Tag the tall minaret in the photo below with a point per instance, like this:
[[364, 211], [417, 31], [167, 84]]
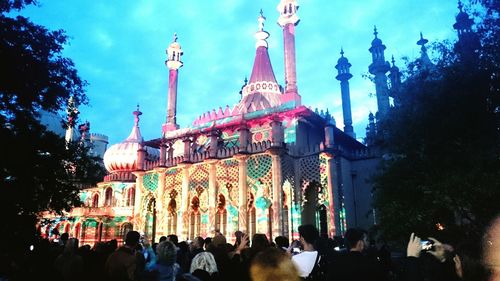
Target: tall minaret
[[288, 19], [72, 111], [379, 68], [395, 77], [468, 41], [344, 75], [174, 53]]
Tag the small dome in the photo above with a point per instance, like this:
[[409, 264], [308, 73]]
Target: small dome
[[123, 156], [376, 42], [343, 60]]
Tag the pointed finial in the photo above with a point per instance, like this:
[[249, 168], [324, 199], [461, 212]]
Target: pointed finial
[[175, 36], [137, 113], [342, 51], [261, 20], [375, 32], [393, 61], [422, 40], [246, 80], [460, 6]]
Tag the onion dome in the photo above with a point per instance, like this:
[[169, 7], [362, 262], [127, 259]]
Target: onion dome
[[343, 67], [376, 41], [122, 157]]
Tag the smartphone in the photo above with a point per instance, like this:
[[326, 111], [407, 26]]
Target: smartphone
[[296, 250], [426, 245]]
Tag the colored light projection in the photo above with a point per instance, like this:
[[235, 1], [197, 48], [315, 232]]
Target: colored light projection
[[198, 200], [171, 200], [260, 185], [227, 185]]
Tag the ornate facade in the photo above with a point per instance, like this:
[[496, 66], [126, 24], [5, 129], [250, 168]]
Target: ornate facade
[[266, 165]]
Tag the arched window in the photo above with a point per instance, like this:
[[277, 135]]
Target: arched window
[[77, 232], [221, 215], [195, 218], [130, 197], [95, 201], [108, 197], [66, 228]]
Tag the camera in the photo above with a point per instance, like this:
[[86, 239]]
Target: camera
[[426, 245]]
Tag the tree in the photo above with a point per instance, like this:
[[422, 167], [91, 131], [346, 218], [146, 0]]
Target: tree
[[38, 170], [441, 169]]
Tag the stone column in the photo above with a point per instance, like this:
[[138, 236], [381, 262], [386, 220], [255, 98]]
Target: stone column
[[244, 138], [182, 229], [331, 207], [163, 154], [243, 192], [138, 220], [277, 197], [161, 215], [212, 194]]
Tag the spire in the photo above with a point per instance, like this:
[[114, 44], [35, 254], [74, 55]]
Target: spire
[[261, 35], [261, 91], [343, 76], [424, 57], [135, 134], [174, 53], [379, 68], [468, 41], [288, 19], [395, 78], [72, 112]]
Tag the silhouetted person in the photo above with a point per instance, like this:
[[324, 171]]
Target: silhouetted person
[[121, 264], [354, 265]]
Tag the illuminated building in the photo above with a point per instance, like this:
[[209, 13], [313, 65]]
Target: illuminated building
[[266, 165]]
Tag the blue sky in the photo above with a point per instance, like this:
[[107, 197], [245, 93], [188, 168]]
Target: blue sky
[[119, 48]]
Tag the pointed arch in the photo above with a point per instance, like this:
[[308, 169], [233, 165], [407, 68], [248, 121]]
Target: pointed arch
[[108, 197], [95, 200]]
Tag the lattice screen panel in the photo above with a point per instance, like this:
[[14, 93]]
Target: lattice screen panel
[[309, 170], [227, 175]]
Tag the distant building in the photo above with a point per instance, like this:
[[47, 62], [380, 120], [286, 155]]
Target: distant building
[[266, 165]]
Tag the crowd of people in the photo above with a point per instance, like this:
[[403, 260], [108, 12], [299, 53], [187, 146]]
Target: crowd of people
[[210, 259]]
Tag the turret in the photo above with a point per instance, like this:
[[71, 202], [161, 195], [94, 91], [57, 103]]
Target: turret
[[468, 41], [395, 78], [288, 19], [343, 76], [425, 62], [262, 91], [72, 112], [379, 68], [173, 62]]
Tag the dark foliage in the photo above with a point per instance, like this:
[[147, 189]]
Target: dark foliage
[[441, 170], [38, 170]]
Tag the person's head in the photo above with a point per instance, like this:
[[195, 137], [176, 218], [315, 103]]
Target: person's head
[[491, 248], [167, 253], [163, 238], [259, 241], [208, 241], [132, 238], [64, 238], [71, 246], [204, 261], [218, 240], [356, 239], [281, 242], [308, 234], [197, 243], [272, 264], [173, 238]]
